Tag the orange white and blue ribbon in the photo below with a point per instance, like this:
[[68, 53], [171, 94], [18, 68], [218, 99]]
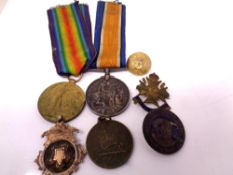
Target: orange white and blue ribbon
[[70, 33], [110, 35]]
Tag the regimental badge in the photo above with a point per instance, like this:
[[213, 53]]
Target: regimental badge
[[162, 129], [153, 89], [61, 154]]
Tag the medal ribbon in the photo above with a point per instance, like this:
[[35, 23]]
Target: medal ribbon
[[70, 33], [110, 35]]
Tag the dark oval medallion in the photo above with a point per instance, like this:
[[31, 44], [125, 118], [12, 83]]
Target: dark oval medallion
[[59, 156], [163, 131], [109, 144], [107, 97]]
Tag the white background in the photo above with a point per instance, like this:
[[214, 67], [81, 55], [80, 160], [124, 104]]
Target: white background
[[191, 47]]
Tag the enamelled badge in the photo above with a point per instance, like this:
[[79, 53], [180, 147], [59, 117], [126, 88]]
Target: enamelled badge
[[109, 143], [70, 33], [162, 129]]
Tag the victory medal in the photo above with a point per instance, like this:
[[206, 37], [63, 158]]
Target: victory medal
[[61, 102]]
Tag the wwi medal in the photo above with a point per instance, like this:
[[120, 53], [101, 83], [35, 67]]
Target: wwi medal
[[109, 143], [64, 99], [62, 102], [107, 96], [162, 129]]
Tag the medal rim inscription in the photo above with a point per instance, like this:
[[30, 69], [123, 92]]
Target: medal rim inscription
[[55, 119], [134, 58], [92, 133], [103, 78], [162, 114]]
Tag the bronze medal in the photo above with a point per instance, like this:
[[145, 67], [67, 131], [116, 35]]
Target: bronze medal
[[109, 144], [64, 99], [162, 129], [107, 96], [61, 154]]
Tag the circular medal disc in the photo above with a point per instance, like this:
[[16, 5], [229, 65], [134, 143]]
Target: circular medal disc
[[64, 99], [59, 156], [139, 63], [109, 144], [163, 131], [107, 97]]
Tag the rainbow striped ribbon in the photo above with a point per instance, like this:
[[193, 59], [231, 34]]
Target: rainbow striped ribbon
[[110, 35], [70, 33]]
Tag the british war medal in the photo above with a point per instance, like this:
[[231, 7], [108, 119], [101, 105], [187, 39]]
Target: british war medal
[[109, 143]]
